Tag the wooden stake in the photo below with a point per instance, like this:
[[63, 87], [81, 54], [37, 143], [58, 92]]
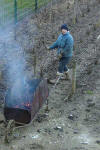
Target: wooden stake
[[74, 78]]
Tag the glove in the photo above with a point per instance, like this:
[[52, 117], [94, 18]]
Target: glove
[[60, 56]]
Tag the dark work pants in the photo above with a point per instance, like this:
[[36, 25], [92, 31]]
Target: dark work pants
[[63, 62]]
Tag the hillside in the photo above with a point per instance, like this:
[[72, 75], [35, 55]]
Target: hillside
[[71, 124]]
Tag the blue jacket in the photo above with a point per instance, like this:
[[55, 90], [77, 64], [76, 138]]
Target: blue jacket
[[64, 44]]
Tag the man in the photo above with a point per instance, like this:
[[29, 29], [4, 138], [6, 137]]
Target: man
[[64, 45]]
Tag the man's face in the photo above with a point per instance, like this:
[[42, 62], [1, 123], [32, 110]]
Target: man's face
[[64, 31]]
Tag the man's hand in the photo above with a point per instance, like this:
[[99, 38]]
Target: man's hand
[[60, 56]]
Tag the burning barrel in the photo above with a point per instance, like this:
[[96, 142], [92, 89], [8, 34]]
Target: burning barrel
[[24, 100]]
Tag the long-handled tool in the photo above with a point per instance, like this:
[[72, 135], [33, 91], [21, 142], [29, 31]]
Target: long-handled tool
[[57, 81]]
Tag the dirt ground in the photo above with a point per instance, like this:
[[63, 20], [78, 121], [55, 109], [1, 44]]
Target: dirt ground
[[71, 124]]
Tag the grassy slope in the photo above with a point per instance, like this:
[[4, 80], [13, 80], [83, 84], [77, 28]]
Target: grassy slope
[[23, 6], [24, 3]]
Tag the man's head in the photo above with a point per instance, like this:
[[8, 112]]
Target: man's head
[[64, 29]]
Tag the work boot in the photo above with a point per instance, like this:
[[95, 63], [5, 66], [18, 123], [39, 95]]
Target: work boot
[[59, 74], [62, 75]]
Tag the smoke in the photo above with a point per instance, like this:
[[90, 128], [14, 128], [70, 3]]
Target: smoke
[[14, 64], [12, 56]]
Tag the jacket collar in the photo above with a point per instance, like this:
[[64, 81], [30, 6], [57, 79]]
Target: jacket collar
[[65, 34]]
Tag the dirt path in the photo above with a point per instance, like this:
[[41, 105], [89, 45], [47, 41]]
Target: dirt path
[[73, 124]]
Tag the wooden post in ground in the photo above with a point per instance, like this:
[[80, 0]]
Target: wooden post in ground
[[74, 78]]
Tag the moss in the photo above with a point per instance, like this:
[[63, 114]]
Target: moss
[[89, 92]]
